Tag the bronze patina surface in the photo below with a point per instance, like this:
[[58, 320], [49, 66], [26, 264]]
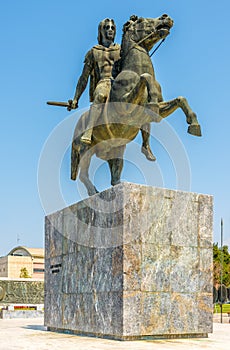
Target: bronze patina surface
[[102, 66], [125, 94]]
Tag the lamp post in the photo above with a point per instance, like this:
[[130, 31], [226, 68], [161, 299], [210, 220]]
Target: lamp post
[[221, 270]]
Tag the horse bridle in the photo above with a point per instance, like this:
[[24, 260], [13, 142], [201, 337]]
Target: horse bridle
[[146, 37], [157, 47]]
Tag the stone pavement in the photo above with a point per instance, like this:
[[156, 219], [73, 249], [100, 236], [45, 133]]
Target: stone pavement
[[30, 334]]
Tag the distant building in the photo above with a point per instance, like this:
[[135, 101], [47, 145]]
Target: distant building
[[29, 259]]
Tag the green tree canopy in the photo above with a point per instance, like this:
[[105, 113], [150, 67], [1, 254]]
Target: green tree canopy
[[221, 258]]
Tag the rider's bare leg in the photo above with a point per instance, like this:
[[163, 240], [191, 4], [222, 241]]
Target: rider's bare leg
[[145, 131], [168, 107], [95, 112], [101, 94]]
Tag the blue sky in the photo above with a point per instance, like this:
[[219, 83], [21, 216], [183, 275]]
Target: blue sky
[[43, 44]]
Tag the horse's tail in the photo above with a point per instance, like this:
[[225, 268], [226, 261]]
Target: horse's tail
[[76, 144], [75, 160]]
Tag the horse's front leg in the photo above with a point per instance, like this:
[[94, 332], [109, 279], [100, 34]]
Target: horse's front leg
[[168, 107]]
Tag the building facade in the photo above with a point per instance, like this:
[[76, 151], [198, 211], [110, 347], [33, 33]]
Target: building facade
[[23, 260]]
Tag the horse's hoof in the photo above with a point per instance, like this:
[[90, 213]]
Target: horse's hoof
[[114, 183], [148, 153], [194, 130], [92, 192]]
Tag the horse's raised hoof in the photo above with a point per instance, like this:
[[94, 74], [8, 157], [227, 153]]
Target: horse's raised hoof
[[148, 153], [194, 130]]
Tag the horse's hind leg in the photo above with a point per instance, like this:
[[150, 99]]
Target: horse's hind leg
[[168, 107], [84, 174]]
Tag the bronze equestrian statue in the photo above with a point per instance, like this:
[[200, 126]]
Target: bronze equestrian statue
[[134, 101]]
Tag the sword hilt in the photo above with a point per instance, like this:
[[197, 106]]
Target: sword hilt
[[69, 105]]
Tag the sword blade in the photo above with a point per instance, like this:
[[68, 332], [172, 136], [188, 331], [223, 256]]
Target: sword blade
[[59, 104]]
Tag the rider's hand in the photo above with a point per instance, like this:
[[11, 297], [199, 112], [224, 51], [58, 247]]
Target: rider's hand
[[74, 104]]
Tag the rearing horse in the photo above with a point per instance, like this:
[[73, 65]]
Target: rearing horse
[[135, 99]]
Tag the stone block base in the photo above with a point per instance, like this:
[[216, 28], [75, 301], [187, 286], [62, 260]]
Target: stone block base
[[133, 338], [132, 262]]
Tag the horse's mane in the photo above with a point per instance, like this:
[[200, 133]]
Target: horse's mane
[[128, 28], [127, 25]]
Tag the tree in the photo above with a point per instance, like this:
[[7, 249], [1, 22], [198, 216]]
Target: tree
[[24, 273], [220, 256]]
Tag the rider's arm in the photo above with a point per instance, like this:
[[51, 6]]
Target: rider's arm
[[82, 81]]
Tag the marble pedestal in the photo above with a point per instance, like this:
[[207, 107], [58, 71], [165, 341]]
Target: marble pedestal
[[132, 262]]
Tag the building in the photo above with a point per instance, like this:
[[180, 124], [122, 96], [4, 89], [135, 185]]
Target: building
[[29, 259]]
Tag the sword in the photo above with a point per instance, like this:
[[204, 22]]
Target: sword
[[68, 104]]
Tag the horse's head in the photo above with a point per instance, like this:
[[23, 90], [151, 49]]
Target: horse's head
[[146, 32]]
